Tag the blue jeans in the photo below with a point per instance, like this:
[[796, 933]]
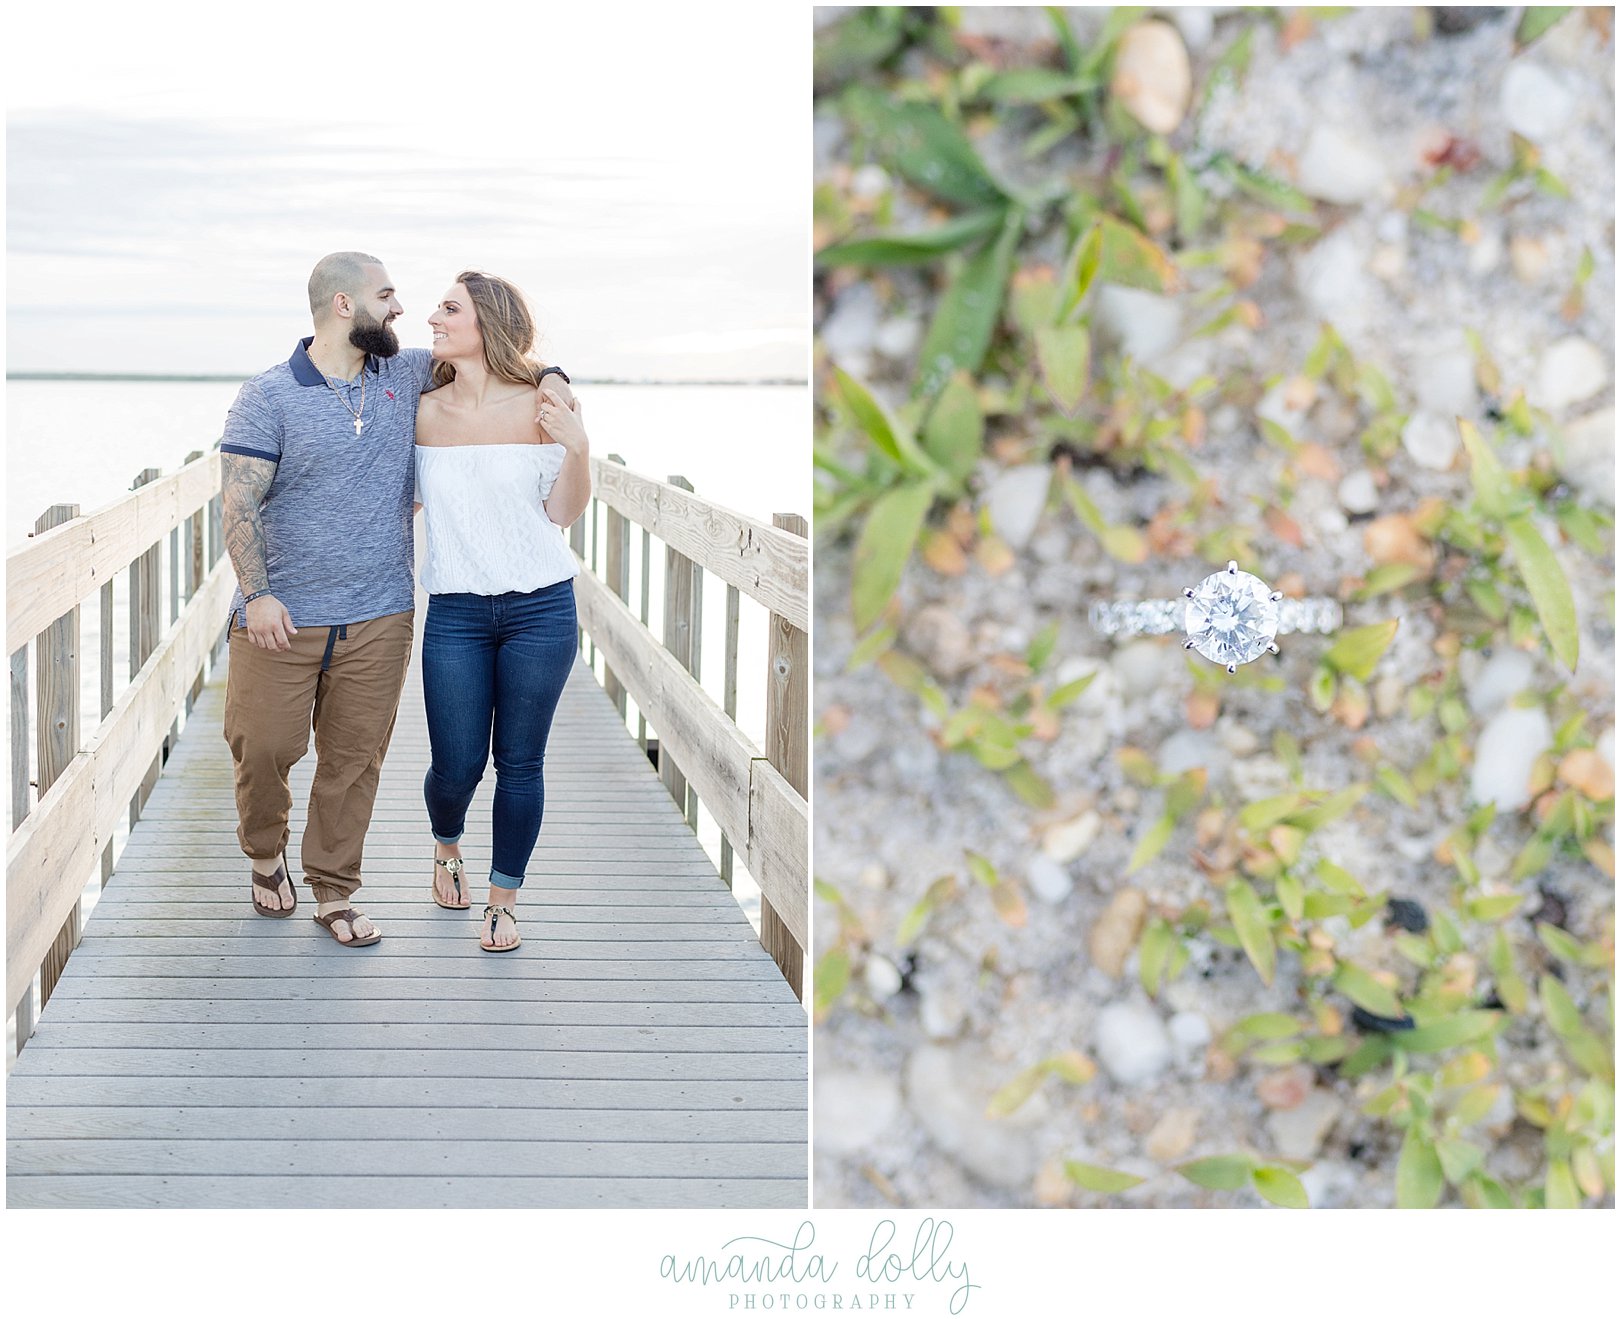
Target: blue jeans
[[494, 663]]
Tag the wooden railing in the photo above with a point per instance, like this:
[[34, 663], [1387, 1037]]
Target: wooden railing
[[64, 814], [757, 796]]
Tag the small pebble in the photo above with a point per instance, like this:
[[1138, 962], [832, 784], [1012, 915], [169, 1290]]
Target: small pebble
[[1504, 676], [1140, 324], [948, 1091], [1529, 258], [1570, 371], [1508, 748], [941, 1012], [1131, 1043], [1173, 1135], [1444, 380], [1153, 79], [899, 337], [938, 637], [1114, 936], [1536, 102], [1339, 166], [1015, 500], [1407, 915], [1584, 451], [1048, 880], [1299, 1132], [1431, 440], [883, 978], [1068, 839], [852, 1109], [1286, 1087], [1358, 493]]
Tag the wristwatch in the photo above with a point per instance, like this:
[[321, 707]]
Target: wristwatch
[[555, 371]]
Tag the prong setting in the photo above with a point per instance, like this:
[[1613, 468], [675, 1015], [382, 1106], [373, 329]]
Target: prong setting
[[1231, 617]]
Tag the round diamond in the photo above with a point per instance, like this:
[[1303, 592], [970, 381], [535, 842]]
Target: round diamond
[[1231, 617]]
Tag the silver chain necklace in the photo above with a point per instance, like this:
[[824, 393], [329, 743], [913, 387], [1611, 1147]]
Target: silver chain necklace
[[351, 411]]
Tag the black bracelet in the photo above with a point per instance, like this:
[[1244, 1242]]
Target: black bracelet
[[555, 371], [249, 598]]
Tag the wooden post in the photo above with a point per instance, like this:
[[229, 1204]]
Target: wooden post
[[19, 798], [576, 542], [787, 737], [174, 614], [216, 548], [647, 587], [729, 702], [616, 570], [145, 603], [194, 573], [106, 628], [680, 635], [57, 708]]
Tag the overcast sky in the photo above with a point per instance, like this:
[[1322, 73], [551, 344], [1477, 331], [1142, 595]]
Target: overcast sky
[[643, 175]]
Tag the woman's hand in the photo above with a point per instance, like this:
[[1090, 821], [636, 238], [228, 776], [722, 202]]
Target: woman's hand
[[562, 423], [563, 391]]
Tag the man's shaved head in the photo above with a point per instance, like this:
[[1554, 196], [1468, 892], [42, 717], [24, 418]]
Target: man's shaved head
[[340, 272]]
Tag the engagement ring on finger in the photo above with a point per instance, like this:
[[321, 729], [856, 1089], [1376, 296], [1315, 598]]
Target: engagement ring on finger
[[1230, 618]]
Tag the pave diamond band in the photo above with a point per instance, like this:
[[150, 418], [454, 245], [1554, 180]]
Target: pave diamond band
[[1230, 617]]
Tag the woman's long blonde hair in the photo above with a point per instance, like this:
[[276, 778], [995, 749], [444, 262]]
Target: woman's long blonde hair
[[507, 328]]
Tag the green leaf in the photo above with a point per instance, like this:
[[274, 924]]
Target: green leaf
[[1419, 1177], [897, 249], [1254, 933], [1493, 489], [1536, 20], [1366, 992], [1131, 258], [1033, 86], [966, 316], [1329, 809], [1064, 353], [1356, 651], [1495, 907], [1154, 954], [1463, 1028], [954, 434], [1152, 843], [1016, 1093], [1105, 1181], [1224, 1172], [925, 146], [1281, 1187], [1291, 895], [884, 547], [1459, 1159], [1559, 1188], [832, 979], [1032, 789], [1062, 696], [1545, 580], [1265, 188], [1268, 1026], [894, 439], [1259, 816], [1559, 1008]]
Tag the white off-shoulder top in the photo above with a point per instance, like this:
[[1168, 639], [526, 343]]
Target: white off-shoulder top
[[487, 529]]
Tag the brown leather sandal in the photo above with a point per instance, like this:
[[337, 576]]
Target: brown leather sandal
[[455, 867], [350, 915], [495, 913], [272, 884]]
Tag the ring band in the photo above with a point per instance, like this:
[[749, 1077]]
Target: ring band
[[1230, 618]]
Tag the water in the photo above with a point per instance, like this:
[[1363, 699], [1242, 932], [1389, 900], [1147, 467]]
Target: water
[[746, 447]]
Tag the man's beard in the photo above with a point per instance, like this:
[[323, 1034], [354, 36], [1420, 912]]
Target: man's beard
[[374, 337]]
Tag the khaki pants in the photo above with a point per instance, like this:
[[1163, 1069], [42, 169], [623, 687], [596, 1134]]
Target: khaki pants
[[345, 683]]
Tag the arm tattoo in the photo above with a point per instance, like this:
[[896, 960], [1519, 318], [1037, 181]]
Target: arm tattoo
[[243, 483]]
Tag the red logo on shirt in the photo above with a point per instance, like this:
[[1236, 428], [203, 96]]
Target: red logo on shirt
[[390, 394]]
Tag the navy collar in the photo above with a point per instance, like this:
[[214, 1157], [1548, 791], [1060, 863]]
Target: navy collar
[[305, 372]]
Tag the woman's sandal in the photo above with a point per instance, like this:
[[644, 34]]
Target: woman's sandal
[[350, 915], [455, 866], [498, 912], [272, 884]]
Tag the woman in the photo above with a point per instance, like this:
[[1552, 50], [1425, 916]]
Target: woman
[[497, 485]]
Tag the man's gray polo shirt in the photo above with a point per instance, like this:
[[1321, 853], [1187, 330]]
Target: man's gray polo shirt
[[337, 517]]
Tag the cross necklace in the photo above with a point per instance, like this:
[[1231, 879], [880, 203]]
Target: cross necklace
[[351, 411]]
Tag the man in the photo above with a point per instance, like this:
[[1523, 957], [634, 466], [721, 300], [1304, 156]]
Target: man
[[318, 465]]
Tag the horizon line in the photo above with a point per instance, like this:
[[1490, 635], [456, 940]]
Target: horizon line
[[226, 379]]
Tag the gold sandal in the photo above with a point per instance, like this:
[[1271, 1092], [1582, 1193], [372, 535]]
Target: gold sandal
[[454, 866], [492, 946]]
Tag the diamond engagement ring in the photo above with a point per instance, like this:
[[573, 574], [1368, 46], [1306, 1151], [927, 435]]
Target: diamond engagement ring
[[1230, 618]]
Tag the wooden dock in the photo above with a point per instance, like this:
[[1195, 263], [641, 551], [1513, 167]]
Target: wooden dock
[[640, 1049], [643, 1048]]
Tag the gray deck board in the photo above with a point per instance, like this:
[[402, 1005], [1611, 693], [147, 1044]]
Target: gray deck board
[[639, 1050]]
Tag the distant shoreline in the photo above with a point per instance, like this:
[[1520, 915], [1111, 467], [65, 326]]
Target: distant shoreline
[[139, 377]]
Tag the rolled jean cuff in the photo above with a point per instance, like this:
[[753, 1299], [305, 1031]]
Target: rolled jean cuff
[[504, 881], [448, 842]]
